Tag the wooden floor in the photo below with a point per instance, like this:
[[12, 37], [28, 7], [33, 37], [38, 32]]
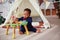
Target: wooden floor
[[47, 34]]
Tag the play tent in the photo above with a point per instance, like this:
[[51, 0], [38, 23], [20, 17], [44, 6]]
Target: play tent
[[19, 5]]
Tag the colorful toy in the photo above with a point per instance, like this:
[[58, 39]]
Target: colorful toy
[[2, 20], [7, 26], [24, 23], [13, 26]]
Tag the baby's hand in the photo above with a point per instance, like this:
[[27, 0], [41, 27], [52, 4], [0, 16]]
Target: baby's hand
[[16, 20]]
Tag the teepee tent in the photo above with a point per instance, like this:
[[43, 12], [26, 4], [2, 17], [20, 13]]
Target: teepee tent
[[18, 7]]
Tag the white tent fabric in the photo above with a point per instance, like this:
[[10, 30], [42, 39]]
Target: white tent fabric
[[32, 4], [47, 5]]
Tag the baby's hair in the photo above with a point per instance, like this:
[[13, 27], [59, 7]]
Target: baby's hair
[[27, 9]]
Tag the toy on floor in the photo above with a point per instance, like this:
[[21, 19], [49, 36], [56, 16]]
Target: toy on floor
[[41, 24], [24, 23], [12, 19], [7, 26], [13, 26], [2, 19]]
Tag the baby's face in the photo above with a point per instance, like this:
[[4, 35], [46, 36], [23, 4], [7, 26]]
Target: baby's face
[[26, 14]]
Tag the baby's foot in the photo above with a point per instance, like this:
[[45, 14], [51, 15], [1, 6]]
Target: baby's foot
[[38, 31], [20, 32]]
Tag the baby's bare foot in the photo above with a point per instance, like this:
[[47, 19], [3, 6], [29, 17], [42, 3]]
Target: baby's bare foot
[[20, 32], [38, 31]]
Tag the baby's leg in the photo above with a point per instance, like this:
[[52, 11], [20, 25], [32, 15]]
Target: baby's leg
[[22, 29], [34, 30]]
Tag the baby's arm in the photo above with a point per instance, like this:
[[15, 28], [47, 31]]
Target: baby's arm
[[20, 19], [29, 20]]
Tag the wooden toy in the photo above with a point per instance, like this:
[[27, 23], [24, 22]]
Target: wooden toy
[[7, 26], [24, 23], [13, 26], [2, 20]]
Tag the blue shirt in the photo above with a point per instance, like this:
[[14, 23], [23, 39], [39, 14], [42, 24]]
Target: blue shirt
[[29, 20]]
